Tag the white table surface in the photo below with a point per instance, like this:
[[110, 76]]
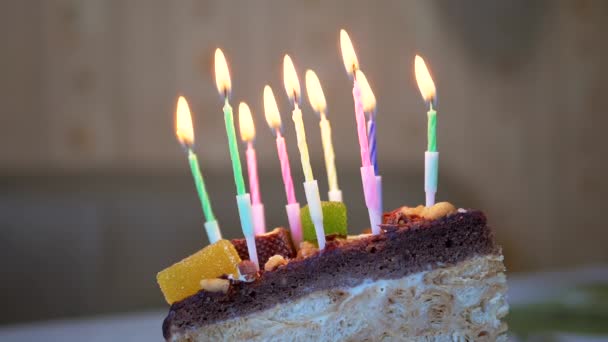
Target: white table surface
[[146, 326], [135, 327]]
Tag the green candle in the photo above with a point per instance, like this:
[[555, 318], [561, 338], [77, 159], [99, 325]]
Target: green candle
[[432, 129], [234, 149], [200, 186], [185, 134]]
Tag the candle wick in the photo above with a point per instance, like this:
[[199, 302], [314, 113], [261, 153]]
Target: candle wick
[[187, 147], [295, 98]]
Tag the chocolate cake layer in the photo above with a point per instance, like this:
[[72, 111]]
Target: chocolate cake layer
[[400, 250]]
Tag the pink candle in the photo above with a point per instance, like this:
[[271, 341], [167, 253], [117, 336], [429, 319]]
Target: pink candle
[[285, 169], [247, 135], [368, 176], [252, 168], [273, 118], [361, 126], [259, 219]]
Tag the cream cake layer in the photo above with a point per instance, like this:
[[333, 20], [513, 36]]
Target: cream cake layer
[[461, 302]]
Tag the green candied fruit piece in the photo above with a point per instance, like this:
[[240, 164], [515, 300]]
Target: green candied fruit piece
[[334, 220]]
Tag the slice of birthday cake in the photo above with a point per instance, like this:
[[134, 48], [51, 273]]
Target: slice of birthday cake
[[432, 274]]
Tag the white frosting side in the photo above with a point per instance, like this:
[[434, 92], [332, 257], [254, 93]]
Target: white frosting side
[[465, 302]]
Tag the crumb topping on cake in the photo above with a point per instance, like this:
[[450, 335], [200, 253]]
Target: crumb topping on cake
[[407, 214]]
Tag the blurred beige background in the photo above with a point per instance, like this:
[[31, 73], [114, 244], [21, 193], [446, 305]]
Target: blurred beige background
[[95, 192]]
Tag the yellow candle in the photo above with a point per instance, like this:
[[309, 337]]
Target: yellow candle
[[311, 188], [296, 115], [292, 87], [318, 103], [328, 152]]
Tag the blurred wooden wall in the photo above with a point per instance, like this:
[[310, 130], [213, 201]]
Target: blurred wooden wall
[[95, 195]]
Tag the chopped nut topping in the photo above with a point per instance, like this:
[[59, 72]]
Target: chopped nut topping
[[439, 210], [215, 285], [274, 262], [418, 211], [306, 249], [406, 214]]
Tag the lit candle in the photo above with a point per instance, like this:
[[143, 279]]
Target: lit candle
[[431, 156], [185, 135], [319, 105], [273, 118], [311, 188], [223, 83], [247, 130], [368, 177], [369, 106]]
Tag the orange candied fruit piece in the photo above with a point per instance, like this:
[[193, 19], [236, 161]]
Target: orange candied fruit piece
[[183, 278]]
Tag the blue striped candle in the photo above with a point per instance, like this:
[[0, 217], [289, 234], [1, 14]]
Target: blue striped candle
[[371, 136]]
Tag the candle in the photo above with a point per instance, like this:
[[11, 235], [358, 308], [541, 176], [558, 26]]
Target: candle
[[222, 79], [311, 188], [292, 88], [431, 162], [319, 105], [243, 199], [273, 118], [185, 135], [247, 130], [369, 106], [368, 176]]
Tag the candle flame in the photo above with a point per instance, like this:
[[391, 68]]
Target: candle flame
[[315, 92], [246, 123], [348, 53], [290, 79], [183, 123], [271, 110], [367, 95], [424, 79], [222, 75]]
